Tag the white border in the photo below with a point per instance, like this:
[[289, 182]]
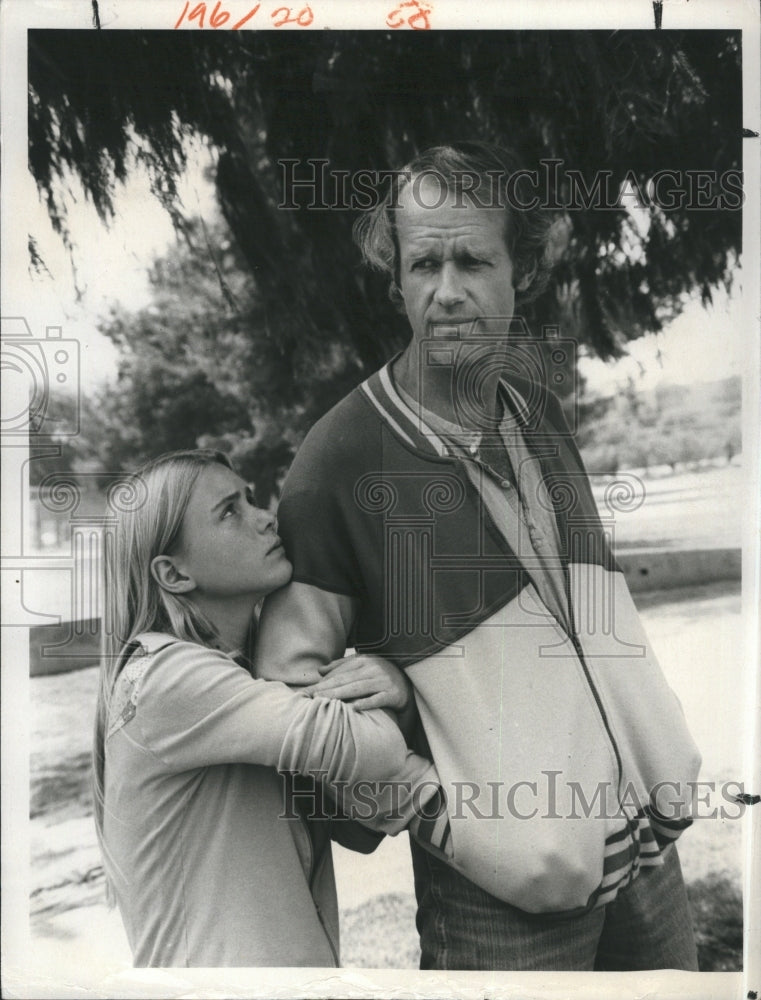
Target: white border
[[19, 979]]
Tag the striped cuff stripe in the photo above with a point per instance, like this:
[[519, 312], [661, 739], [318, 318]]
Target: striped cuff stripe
[[431, 826]]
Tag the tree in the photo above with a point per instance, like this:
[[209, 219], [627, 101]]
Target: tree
[[629, 103], [60, 451], [672, 425], [193, 368]]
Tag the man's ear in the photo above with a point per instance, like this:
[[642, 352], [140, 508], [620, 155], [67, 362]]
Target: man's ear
[[526, 280], [167, 575], [395, 294]]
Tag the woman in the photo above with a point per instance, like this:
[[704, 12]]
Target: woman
[[209, 863]]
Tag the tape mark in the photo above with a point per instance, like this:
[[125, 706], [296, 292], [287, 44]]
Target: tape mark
[[748, 800], [658, 13]]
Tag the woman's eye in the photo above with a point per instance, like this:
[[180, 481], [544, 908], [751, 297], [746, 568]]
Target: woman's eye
[[250, 499], [229, 509]]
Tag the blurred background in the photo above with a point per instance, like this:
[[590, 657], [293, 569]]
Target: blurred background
[[222, 319], [205, 315]]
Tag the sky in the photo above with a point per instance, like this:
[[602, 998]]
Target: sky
[[111, 263], [702, 344]]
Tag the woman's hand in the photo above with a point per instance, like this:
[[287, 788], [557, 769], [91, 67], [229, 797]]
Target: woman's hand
[[365, 681]]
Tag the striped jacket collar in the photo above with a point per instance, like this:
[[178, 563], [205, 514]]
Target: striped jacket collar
[[410, 426]]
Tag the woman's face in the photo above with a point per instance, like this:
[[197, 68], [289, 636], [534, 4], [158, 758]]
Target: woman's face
[[228, 546]]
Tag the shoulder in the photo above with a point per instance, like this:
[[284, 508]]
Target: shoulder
[[171, 662], [139, 657], [343, 430], [536, 403], [345, 436], [159, 670]]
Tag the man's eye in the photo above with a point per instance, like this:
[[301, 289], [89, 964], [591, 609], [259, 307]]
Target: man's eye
[[424, 265], [250, 499], [229, 509]]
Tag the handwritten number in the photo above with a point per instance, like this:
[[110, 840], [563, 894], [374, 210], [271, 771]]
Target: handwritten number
[[218, 17], [394, 19], [198, 13], [246, 18], [304, 17], [415, 12], [182, 15], [420, 15]]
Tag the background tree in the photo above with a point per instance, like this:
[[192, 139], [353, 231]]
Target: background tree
[[673, 425], [629, 103], [191, 367]]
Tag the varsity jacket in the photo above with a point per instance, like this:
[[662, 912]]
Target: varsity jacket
[[564, 756]]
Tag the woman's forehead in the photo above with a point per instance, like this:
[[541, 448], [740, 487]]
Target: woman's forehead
[[214, 482]]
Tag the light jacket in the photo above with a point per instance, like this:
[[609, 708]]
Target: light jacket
[[564, 755]]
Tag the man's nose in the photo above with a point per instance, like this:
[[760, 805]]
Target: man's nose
[[449, 290]]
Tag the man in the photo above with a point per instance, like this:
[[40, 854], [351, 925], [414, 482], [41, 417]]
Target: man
[[440, 516]]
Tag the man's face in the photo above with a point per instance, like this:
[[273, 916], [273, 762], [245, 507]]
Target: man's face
[[454, 262]]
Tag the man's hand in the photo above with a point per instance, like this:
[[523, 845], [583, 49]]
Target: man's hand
[[365, 681]]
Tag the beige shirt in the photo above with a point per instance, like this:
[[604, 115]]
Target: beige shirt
[[513, 491]]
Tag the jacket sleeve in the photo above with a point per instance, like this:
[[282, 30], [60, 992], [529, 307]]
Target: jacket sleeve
[[301, 627], [197, 708]]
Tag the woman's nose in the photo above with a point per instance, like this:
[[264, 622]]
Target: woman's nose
[[265, 520]]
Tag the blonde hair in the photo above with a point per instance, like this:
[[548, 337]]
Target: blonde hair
[[149, 524]]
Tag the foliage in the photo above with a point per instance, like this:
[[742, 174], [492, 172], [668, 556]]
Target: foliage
[[304, 322], [57, 449], [624, 101], [193, 367], [674, 425], [195, 370]]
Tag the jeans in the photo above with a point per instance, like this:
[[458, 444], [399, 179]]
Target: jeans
[[647, 926]]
